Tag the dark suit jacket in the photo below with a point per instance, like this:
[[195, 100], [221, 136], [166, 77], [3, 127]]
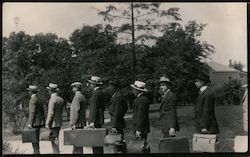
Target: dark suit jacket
[[78, 110], [117, 110], [204, 112], [168, 113], [55, 108], [141, 114], [97, 107], [36, 112]]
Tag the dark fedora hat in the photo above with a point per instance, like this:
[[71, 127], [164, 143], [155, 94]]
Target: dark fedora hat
[[114, 81], [203, 77]]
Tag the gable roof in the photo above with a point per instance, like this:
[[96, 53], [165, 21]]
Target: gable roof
[[220, 68]]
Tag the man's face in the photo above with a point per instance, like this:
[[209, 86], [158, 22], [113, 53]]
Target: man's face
[[50, 92], [74, 89], [135, 92], [30, 92], [199, 83], [163, 87], [92, 85]]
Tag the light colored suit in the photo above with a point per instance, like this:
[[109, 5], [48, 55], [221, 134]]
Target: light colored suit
[[55, 108]]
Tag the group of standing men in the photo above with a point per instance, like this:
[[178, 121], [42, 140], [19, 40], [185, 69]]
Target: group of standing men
[[204, 110]]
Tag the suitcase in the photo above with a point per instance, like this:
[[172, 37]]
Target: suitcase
[[112, 138], [138, 146], [205, 143], [241, 144], [174, 145], [46, 135], [85, 137], [29, 135]]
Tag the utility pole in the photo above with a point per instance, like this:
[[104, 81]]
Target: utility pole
[[133, 44]]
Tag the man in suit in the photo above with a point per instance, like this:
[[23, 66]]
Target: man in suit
[[117, 108], [205, 120], [97, 107], [54, 117], [245, 108], [36, 115], [141, 110], [77, 112], [168, 113]]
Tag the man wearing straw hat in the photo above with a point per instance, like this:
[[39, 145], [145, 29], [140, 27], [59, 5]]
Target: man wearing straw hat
[[77, 112], [36, 115], [205, 120], [97, 107], [54, 117], [141, 110], [168, 113]]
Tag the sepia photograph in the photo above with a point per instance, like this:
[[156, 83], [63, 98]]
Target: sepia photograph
[[124, 77]]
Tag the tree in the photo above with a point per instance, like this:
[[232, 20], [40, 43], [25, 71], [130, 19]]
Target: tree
[[140, 18], [236, 65]]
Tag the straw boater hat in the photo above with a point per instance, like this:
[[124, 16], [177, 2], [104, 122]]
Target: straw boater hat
[[32, 88], [53, 86], [165, 80], [139, 85], [95, 80], [244, 86], [76, 84]]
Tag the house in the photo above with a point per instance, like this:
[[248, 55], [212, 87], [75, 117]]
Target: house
[[220, 74]]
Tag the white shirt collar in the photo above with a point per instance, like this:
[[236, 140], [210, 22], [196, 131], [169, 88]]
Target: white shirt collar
[[78, 92], [139, 94], [33, 95], [96, 88], [203, 88], [166, 91], [53, 94]]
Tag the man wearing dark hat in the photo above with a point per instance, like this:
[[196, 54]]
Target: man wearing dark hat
[[54, 117], [205, 120], [97, 107], [77, 112], [118, 107], [168, 113], [141, 110], [36, 115]]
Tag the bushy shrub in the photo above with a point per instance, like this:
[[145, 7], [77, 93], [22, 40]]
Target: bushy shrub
[[229, 94]]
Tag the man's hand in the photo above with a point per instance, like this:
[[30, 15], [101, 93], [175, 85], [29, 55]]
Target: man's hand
[[171, 132], [113, 130], [29, 126], [204, 131], [73, 127], [138, 134]]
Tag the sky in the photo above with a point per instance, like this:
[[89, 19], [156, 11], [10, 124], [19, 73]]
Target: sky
[[226, 23]]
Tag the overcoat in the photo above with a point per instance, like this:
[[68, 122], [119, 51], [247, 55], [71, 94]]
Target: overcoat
[[97, 107], [36, 112], [168, 113], [55, 108], [117, 109], [204, 112], [141, 114], [78, 110]]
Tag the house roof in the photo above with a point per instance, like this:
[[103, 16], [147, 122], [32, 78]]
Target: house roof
[[220, 68]]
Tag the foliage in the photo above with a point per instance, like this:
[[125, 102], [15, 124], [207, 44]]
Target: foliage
[[230, 93], [236, 65]]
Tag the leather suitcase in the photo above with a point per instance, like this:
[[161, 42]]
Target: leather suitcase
[[241, 144], [112, 138], [205, 143], [46, 135], [138, 146], [29, 135], [85, 137], [174, 145]]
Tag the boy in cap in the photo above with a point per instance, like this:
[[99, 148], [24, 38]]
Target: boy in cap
[[36, 115], [54, 117], [168, 113], [77, 112], [118, 107], [141, 110], [97, 107], [205, 120]]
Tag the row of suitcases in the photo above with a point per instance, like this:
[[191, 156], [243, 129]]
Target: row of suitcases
[[113, 143]]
